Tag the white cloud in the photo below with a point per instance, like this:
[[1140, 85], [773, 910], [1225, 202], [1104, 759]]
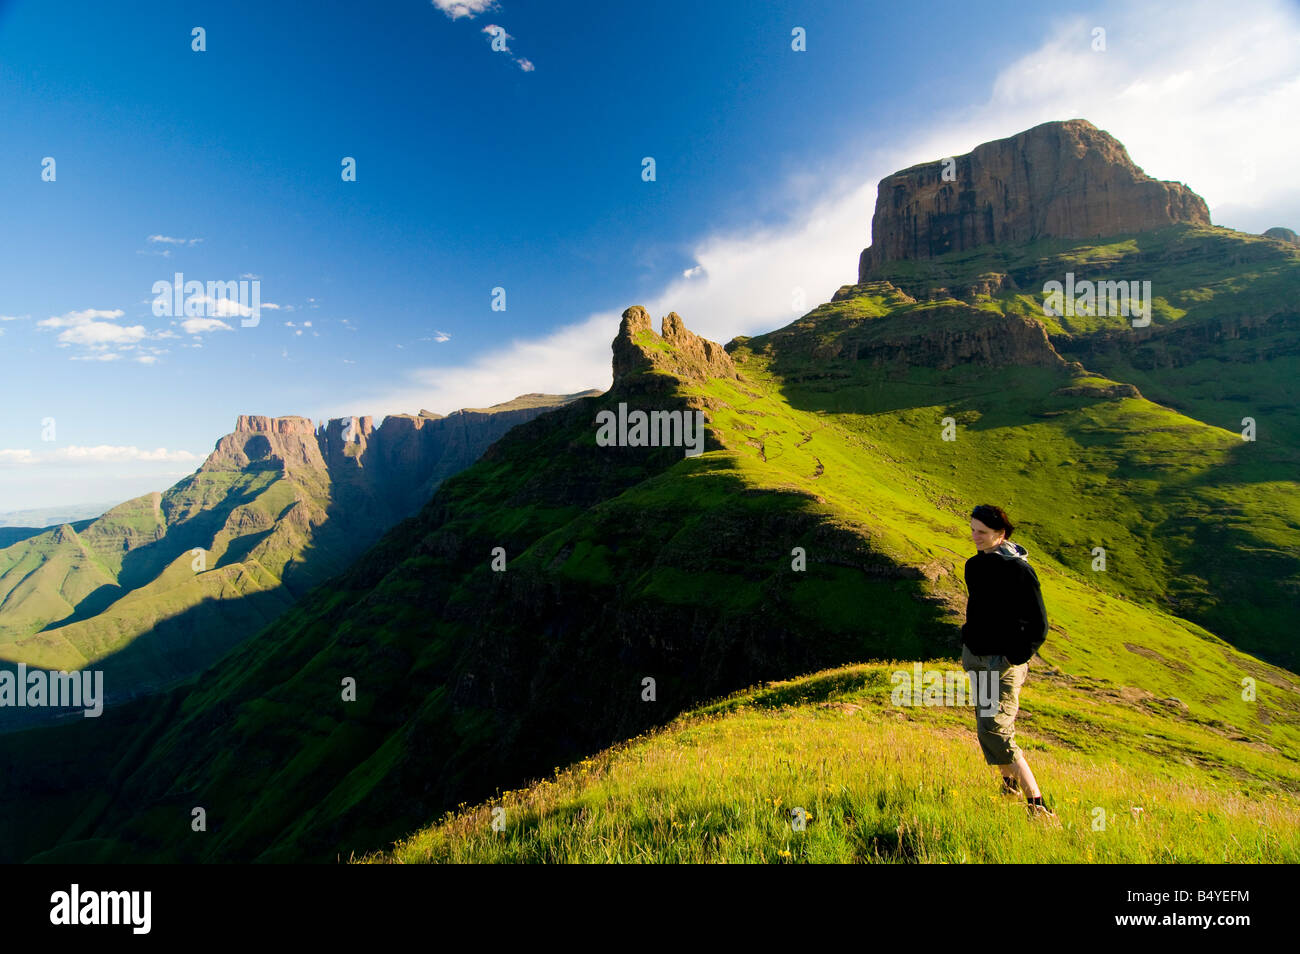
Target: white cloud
[[103, 453], [572, 358], [147, 358], [94, 329], [525, 64], [464, 8], [1198, 92], [197, 326], [14, 317], [168, 240], [226, 307], [102, 334], [73, 318], [110, 452], [100, 356]]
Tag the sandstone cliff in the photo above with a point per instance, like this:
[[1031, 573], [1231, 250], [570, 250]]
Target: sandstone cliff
[[388, 471], [1058, 180]]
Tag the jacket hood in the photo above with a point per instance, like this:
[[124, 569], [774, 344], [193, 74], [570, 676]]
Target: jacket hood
[[1013, 550]]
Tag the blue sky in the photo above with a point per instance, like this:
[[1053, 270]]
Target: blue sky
[[519, 169]]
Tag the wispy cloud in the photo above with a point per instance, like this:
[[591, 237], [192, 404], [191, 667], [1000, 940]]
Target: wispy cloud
[[498, 33], [169, 240], [500, 40], [74, 318], [464, 8], [455, 9], [103, 453]]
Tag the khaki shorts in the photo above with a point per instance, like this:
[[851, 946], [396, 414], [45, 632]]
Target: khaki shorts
[[996, 731]]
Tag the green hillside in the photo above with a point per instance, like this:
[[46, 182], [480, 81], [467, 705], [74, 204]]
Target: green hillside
[[625, 563], [87, 593], [1133, 779]]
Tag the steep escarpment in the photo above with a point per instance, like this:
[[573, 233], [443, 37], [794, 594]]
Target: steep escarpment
[[398, 464], [1057, 180]]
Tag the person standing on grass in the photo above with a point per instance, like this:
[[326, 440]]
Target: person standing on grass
[[1005, 624]]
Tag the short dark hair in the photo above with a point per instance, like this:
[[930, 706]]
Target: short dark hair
[[994, 517]]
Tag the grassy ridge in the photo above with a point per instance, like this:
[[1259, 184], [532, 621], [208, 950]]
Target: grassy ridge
[[879, 782]]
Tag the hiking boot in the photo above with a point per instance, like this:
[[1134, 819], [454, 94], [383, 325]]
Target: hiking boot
[[1038, 808], [1010, 786]]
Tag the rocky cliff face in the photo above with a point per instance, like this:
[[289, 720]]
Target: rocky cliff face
[[390, 469], [1058, 180]]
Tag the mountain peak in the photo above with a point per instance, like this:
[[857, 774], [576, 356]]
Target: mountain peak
[[1065, 179], [676, 350]]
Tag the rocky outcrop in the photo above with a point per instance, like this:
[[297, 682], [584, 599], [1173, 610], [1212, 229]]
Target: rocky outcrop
[[677, 351], [1058, 180], [1282, 235]]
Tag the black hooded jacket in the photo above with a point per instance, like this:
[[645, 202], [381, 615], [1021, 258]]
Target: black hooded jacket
[[1005, 613]]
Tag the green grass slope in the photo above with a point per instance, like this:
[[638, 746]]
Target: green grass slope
[[828, 768], [72, 598]]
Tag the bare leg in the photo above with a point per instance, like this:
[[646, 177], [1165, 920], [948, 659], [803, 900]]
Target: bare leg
[[1020, 768]]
